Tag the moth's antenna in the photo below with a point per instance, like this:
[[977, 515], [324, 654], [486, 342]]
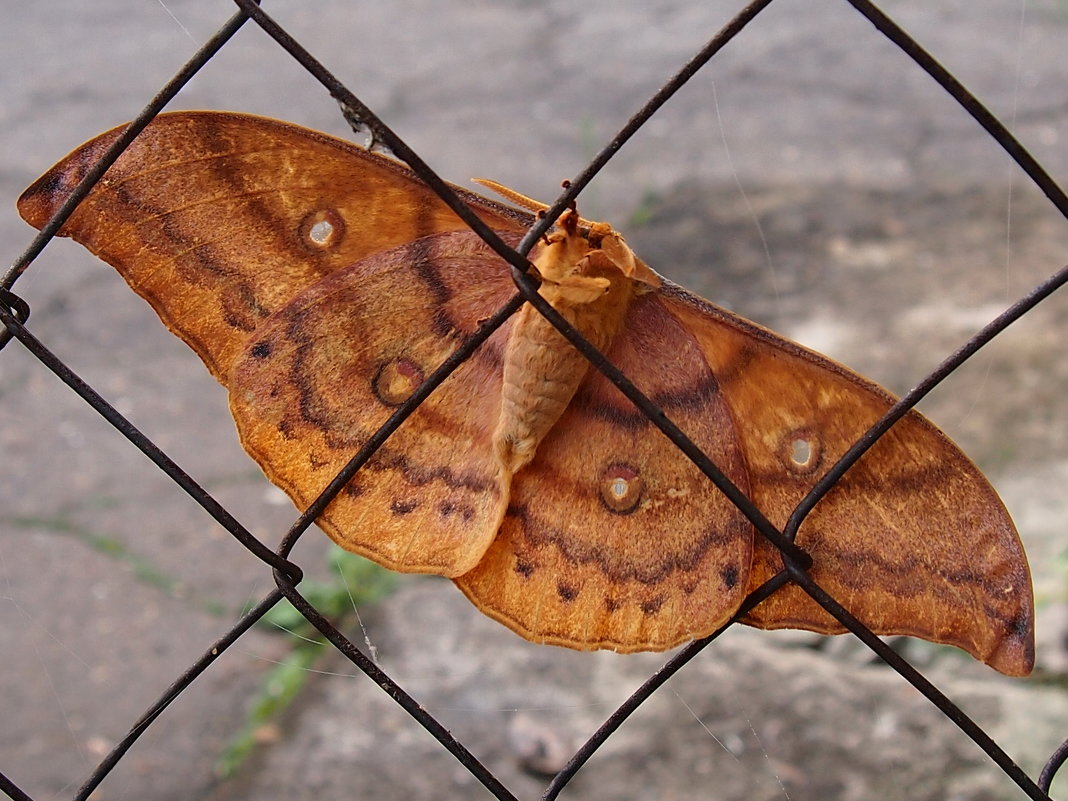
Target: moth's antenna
[[521, 200]]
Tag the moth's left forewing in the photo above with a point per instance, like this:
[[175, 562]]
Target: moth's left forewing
[[219, 219], [913, 540]]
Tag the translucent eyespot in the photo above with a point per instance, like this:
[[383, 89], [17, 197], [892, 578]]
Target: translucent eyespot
[[621, 488], [802, 452], [322, 230], [396, 380]]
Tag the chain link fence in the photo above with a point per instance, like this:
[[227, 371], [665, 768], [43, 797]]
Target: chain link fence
[[15, 314]]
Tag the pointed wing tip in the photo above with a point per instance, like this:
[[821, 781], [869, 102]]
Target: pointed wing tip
[[1014, 654], [42, 198], [1016, 663]]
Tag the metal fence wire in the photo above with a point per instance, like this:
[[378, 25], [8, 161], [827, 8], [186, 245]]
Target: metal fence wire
[[15, 313]]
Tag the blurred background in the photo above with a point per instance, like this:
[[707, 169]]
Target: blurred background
[[810, 178]]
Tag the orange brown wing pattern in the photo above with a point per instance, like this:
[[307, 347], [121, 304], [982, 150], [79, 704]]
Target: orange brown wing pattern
[[320, 376], [321, 283], [219, 219], [913, 540], [613, 538]]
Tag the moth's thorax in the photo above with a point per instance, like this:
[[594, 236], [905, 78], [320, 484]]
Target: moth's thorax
[[591, 286]]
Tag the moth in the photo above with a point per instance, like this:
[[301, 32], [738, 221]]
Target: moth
[[321, 283]]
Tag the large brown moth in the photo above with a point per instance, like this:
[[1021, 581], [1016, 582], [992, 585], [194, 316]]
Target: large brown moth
[[320, 283]]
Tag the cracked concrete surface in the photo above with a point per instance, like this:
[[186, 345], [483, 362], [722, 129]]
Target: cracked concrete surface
[[810, 178]]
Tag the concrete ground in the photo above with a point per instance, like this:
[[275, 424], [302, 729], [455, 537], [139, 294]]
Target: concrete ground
[[810, 178]]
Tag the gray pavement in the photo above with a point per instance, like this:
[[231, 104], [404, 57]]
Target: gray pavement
[[810, 178]]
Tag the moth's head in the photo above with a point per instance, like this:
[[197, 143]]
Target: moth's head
[[564, 256], [580, 247]]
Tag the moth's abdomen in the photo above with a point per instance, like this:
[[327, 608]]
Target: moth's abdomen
[[542, 372]]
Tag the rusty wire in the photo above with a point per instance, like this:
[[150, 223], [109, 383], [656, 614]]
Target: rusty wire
[[14, 315]]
